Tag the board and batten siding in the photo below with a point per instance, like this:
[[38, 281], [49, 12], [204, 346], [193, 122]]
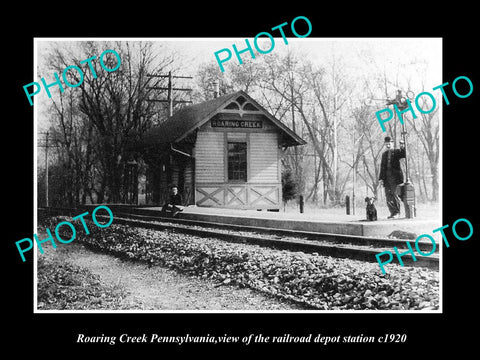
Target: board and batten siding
[[209, 157], [263, 157]]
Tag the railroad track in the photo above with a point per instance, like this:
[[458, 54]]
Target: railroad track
[[335, 245]]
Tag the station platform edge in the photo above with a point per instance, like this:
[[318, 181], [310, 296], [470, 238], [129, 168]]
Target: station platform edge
[[314, 221]]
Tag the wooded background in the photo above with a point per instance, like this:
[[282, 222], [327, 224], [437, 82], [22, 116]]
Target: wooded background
[[91, 128]]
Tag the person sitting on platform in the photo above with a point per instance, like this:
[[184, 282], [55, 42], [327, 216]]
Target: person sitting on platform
[[174, 203]]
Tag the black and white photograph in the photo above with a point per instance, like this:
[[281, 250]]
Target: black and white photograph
[[216, 179], [263, 183]]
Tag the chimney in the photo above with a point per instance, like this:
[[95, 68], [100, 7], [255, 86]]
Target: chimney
[[216, 87]]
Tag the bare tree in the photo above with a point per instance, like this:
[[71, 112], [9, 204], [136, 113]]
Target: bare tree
[[427, 127], [71, 135], [282, 78], [113, 106], [371, 152]]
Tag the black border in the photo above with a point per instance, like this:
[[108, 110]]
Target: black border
[[54, 333]]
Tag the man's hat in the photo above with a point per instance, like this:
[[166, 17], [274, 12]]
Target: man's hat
[[388, 139]]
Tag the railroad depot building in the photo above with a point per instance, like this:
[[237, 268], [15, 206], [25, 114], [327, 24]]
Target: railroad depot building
[[225, 152]]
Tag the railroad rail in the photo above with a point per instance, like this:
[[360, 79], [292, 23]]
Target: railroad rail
[[335, 245]]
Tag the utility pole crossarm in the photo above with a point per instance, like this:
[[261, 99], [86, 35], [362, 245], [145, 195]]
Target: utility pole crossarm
[[169, 90], [166, 88]]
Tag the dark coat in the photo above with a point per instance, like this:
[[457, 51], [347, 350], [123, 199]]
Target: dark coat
[[175, 199], [396, 170]]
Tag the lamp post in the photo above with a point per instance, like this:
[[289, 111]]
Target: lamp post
[[407, 190]]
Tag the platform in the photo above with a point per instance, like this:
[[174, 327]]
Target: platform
[[322, 221]]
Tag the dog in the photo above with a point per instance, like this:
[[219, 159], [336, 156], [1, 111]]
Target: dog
[[371, 209]]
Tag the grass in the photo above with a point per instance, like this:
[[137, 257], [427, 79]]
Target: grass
[[63, 286]]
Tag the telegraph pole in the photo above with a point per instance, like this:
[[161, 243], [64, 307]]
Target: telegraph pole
[[46, 145], [169, 90]]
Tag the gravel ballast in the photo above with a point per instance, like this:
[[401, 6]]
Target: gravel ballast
[[317, 281]]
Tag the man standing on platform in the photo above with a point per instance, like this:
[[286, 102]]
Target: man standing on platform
[[391, 175]]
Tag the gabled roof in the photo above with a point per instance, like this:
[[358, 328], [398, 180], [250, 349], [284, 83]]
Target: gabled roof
[[189, 118]]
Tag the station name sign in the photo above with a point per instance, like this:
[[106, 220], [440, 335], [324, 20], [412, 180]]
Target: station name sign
[[236, 124]]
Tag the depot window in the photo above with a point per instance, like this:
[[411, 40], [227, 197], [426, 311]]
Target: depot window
[[237, 161]]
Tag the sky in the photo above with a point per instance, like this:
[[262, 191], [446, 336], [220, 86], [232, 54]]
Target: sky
[[192, 52], [416, 63], [386, 53]]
